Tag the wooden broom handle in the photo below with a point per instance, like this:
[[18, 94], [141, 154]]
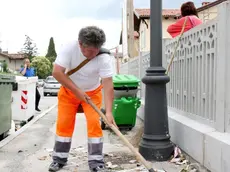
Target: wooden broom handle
[[121, 136]]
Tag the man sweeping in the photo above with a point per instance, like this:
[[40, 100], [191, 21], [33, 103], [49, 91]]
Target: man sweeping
[[76, 89]]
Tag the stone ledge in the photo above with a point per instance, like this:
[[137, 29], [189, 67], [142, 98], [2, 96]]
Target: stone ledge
[[189, 135], [203, 143]]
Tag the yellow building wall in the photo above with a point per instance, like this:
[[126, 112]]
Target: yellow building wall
[[144, 31], [208, 14], [144, 28]]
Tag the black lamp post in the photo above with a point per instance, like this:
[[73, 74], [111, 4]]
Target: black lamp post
[[155, 143]]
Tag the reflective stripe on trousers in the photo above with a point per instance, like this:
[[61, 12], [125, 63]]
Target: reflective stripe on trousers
[[67, 109], [61, 149], [95, 156]]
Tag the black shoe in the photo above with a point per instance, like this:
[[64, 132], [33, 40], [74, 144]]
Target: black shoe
[[37, 109], [100, 168], [54, 166]]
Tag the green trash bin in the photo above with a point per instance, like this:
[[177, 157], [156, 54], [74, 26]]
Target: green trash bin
[[7, 84], [125, 86], [126, 102]]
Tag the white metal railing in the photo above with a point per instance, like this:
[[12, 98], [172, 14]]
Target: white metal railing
[[198, 86]]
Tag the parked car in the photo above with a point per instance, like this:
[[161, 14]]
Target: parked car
[[51, 86], [40, 83]]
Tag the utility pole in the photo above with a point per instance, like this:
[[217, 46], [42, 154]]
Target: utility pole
[[117, 57], [130, 28], [155, 143]]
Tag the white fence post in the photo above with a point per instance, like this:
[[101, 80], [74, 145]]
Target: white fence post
[[222, 65], [227, 113], [140, 77]]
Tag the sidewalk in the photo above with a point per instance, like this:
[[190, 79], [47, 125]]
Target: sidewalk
[[31, 150]]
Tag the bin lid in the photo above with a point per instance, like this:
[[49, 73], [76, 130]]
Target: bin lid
[[125, 80], [7, 78]]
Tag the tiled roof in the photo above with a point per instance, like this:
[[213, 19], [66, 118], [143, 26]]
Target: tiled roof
[[17, 56], [171, 12], [165, 12], [13, 56], [175, 12], [207, 5]]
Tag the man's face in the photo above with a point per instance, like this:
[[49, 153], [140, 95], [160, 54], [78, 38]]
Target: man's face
[[89, 52], [27, 62]]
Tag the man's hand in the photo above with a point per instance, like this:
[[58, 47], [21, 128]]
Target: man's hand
[[81, 95], [63, 79], [110, 119], [23, 72]]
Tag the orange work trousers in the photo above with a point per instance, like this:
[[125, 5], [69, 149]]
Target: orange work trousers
[[67, 109]]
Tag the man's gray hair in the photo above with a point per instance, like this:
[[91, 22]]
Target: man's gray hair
[[92, 36]]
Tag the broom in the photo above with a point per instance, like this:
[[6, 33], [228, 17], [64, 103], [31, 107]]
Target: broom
[[139, 157]]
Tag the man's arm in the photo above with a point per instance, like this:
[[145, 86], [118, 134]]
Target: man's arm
[[109, 96], [106, 73], [23, 72], [63, 79], [108, 93]]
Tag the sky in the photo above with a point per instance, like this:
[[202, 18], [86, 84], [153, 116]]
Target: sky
[[62, 19]]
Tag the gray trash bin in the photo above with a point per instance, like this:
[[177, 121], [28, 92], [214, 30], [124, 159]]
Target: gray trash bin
[[7, 84]]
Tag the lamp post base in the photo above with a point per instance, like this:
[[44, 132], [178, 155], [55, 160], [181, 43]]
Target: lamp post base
[[155, 143]]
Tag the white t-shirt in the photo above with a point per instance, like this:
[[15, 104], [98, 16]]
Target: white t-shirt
[[88, 77]]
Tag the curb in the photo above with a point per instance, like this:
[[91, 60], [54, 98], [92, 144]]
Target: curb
[[25, 127]]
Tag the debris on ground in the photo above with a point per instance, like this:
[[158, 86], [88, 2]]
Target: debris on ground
[[108, 154], [43, 158], [20, 151], [132, 161], [109, 165], [178, 157], [195, 167], [49, 150]]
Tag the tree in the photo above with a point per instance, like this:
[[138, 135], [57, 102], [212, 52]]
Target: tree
[[29, 49], [42, 66], [51, 53], [51, 49]]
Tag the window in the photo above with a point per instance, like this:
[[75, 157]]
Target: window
[[143, 38]]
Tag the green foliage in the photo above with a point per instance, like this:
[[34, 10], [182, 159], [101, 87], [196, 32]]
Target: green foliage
[[51, 59], [42, 67], [29, 49], [51, 53]]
